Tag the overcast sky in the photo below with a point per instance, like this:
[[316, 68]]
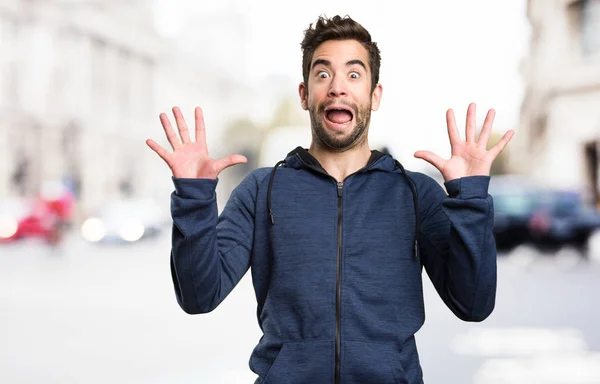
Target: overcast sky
[[436, 54]]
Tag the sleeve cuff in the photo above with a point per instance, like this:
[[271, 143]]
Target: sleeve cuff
[[471, 187], [201, 189]]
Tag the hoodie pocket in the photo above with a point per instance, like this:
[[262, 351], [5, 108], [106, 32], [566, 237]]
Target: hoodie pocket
[[371, 363], [302, 362]]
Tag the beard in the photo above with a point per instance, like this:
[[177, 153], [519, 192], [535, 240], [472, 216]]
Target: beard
[[340, 141]]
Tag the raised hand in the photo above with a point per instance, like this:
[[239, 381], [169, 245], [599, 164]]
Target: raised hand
[[470, 157], [190, 159]]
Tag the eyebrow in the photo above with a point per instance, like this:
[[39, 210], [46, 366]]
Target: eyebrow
[[327, 63]]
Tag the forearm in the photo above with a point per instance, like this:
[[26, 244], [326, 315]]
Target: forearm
[[206, 260], [463, 265]]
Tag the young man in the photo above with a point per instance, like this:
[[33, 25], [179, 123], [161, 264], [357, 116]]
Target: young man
[[336, 236]]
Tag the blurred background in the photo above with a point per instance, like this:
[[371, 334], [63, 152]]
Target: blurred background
[[85, 287]]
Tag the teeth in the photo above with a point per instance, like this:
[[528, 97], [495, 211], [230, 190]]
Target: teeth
[[339, 109]]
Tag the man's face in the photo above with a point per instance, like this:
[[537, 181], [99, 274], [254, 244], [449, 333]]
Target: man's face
[[338, 96]]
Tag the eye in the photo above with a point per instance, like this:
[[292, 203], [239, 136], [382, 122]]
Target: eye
[[322, 75], [354, 75]]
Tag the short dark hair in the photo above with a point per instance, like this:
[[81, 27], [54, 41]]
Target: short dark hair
[[338, 28]]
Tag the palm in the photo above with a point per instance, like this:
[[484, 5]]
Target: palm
[[190, 159], [469, 157]]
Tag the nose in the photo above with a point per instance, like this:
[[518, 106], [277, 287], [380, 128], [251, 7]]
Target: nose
[[337, 87]]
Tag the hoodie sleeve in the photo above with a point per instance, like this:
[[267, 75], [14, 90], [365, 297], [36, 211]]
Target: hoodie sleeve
[[210, 253], [457, 244]]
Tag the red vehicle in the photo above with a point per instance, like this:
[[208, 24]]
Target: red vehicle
[[46, 216]]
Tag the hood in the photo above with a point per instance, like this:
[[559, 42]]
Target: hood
[[301, 158]]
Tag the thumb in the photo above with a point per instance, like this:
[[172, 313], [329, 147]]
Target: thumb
[[228, 161], [431, 158]]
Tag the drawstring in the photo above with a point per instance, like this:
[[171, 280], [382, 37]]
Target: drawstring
[[415, 204], [404, 174], [270, 188]]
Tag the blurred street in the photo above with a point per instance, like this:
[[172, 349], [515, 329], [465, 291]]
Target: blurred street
[[82, 84], [84, 313]]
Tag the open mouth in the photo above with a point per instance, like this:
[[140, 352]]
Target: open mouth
[[338, 115]]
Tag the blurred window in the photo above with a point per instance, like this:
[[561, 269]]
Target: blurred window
[[71, 151], [561, 203], [124, 72], [144, 87], [8, 63], [15, 208], [20, 176], [99, 72], [517, 204], [590, 27]]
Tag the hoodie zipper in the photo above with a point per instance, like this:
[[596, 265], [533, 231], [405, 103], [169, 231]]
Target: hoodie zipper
[[338, 295], [338, 299]]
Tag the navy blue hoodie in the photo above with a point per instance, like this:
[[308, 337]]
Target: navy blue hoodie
[[336, 267]]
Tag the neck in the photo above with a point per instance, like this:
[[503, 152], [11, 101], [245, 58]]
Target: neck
[[341, 164]]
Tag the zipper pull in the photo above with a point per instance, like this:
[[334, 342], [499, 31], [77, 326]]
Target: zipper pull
[[340, 185], [416, 249]]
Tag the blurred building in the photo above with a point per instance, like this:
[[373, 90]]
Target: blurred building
[[82, 83], [76, 95], [559, 136]]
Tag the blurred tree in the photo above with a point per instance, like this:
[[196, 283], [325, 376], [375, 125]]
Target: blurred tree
[[500, 166], [246, 137], [286, 130], [287, 113], [243, 136]]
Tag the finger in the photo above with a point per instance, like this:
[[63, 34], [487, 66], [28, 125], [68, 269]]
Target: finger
[[499, 147], [228, 161], [452, 129], [160, 151], [471, 123], [200, 129], [169, 131], [486, 131], [431, 158], [181, 125]]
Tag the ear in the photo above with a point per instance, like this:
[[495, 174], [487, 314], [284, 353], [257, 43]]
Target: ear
[[376, 97], [303, 92]]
